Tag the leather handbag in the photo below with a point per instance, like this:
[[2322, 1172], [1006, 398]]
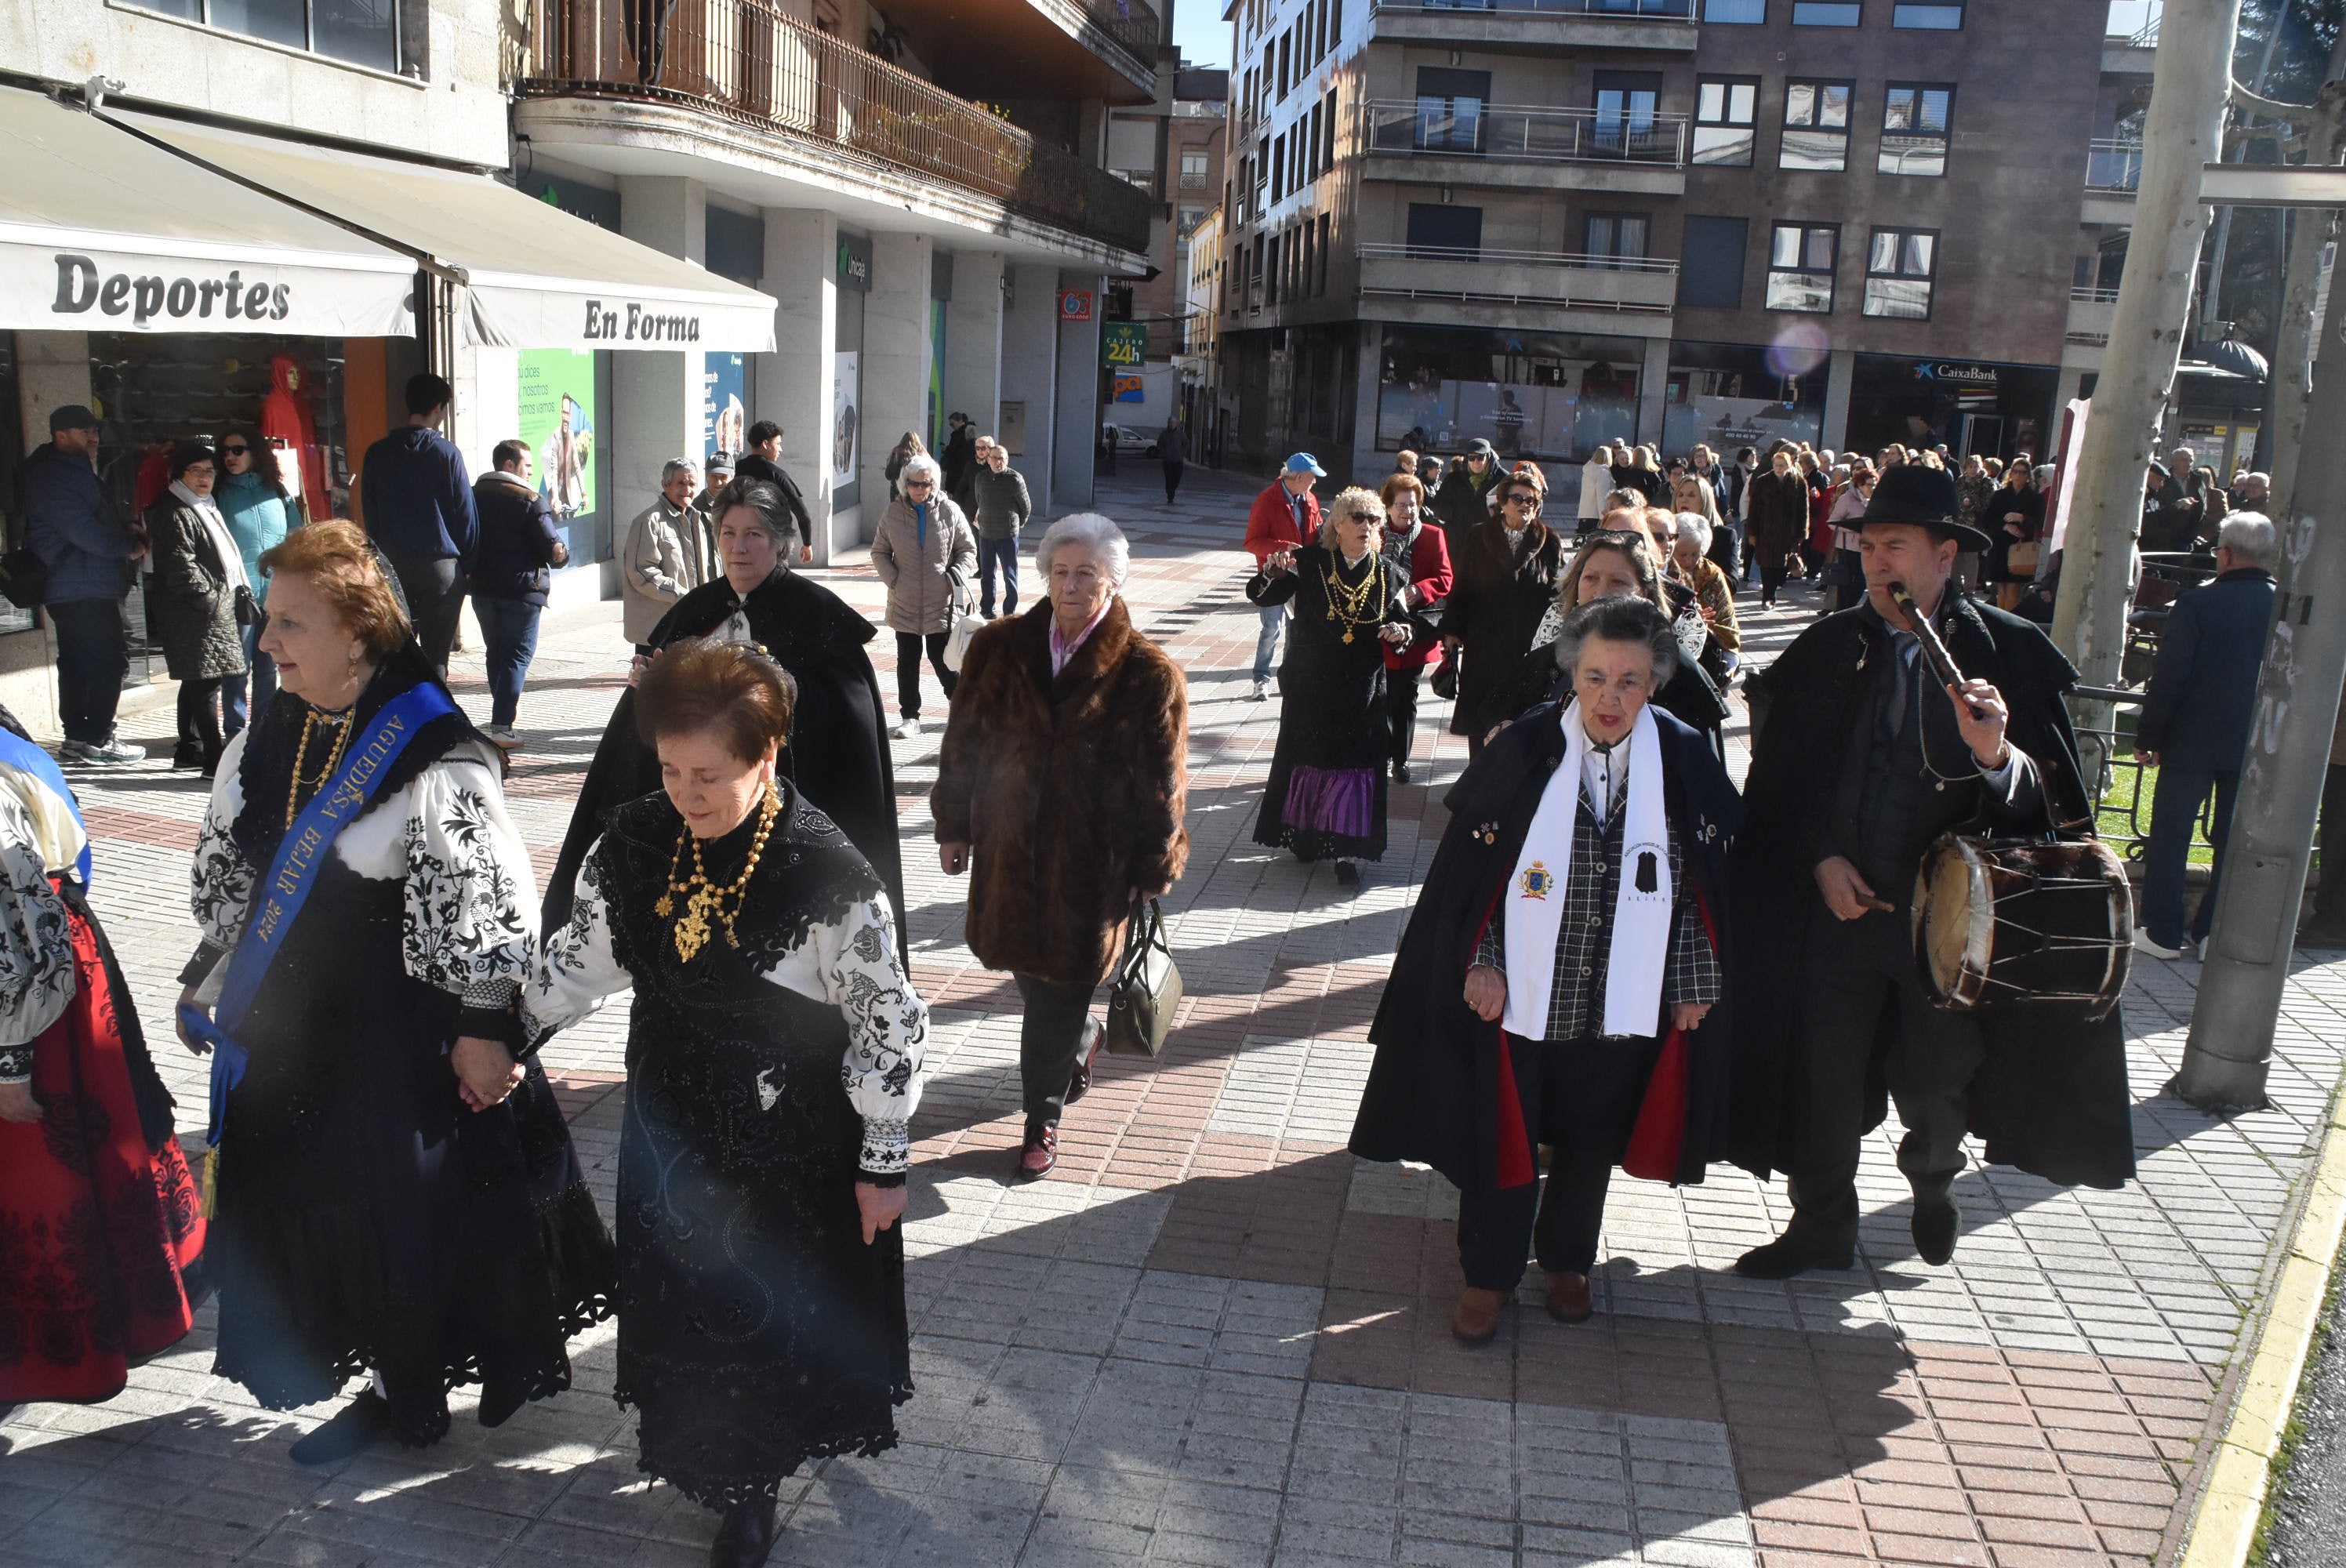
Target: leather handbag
[[1144, 990]]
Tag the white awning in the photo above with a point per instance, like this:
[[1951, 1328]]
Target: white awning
[[100, 231], [537, 277]]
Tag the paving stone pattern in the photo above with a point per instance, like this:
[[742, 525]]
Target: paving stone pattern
[[1213, 1337]]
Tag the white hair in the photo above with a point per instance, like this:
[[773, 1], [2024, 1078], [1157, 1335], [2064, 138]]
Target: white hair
[[1694, 526], [1096, 534], [2251, 538], [918, 467]]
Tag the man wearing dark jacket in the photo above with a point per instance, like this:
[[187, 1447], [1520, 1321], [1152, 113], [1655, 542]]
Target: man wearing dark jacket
[[764, 461], [1863, 761], [509, 578], [417, 502], [91, 554], [2194, 726], [1464, 502]]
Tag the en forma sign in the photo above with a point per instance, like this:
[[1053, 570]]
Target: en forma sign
[[82, 290]]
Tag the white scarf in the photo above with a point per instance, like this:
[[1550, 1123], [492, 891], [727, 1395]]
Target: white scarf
[[1534, 908]]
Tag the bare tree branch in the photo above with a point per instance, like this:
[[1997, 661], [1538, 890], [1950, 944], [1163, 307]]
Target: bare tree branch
[[2249, 101]]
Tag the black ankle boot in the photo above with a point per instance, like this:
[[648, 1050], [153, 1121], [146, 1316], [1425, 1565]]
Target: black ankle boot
[[744, 1535]]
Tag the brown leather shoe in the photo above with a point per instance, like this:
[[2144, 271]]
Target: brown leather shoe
[[1038, 1153], [1476, 1317], [1567, 1298]]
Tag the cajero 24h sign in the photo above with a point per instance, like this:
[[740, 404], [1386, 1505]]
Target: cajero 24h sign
[[1123, 344]]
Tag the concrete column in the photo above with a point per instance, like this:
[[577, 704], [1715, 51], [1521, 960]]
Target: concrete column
[[896, 352], [1030, 374], [1369, 466], [1840, 370], [1076, 417], [655, 393], [973, 380], [795, 382], [1653, 392]]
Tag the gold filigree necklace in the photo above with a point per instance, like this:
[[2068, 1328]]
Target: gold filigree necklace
[[1356, 607], [704, 902], [341, 725]]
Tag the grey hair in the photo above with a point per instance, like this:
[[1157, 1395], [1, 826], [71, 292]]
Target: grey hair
[[1096, 533], [1694, 526], [1620, 618], [676, 465], [2251, 536], [1350, 501], [764, 500], [916, 467]]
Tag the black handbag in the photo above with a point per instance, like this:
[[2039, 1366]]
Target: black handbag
[[1144, 990]]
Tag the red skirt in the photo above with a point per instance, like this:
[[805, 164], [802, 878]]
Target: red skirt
[[97, 1229]]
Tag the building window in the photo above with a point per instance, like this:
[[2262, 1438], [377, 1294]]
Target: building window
[[1826, 12], [1943, 19], [1800, 267], [1612, 238], [1271, 274], [1323, 254], [1319, 112], [1915, 119], [1710, 269], [360, 32], [1627, 105], [1816, 126], [1899, 269], [1450, 109], [1725, 110], [1193, 170], [1739, 13]]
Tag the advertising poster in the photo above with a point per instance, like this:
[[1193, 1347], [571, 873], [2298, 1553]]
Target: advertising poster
[[846, 393], [724, 415], [557, 405]]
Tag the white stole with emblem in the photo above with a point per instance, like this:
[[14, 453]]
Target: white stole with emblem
[[1534, 905]]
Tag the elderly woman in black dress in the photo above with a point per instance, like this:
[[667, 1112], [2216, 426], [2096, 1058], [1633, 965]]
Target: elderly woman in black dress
[[773, 1062], [1326, 797]]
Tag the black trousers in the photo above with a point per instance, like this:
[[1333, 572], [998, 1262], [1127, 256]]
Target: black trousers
[[434, 586], [1173, 469], [199, 722], [1850, 971], [1401, 710], [1772, 578], [93, 656], [2329, 893], [1580, 1097], [908, 669], [1050, 1039]]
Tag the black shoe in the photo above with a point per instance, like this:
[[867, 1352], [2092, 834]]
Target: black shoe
[[1934, 1226], [1348, 875], [354, 1428], [499, 1400], [1784, 1257], [1081, 1082], [1401, 773], [744, 1536]]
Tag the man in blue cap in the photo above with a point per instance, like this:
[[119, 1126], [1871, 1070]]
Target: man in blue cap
[[91, 554], [1285, 515]]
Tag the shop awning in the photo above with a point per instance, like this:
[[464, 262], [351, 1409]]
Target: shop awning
[[537, 277], [100, 231]]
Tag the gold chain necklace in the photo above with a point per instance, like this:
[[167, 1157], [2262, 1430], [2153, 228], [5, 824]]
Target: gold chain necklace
[[704, 901], [342, 727], [1347, 605]]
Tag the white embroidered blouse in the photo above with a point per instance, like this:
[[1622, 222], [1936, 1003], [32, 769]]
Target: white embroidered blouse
[[37, 962]]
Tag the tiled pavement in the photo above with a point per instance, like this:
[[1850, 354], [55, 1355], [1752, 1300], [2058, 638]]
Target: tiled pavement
[[1213, 1337]]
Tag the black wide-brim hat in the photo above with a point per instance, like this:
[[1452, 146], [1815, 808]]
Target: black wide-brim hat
[[1926, 497]]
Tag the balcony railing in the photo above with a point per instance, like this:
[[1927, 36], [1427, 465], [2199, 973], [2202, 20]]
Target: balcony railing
[[1627, 10], [1131, 22], [2093, 296], [745, 61], [1643, 285], [2114, 165], [1464, 127]]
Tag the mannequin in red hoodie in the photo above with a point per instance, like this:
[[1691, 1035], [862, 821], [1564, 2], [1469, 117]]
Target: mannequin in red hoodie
[[285, 423]]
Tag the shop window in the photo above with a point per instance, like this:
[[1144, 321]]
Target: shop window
[[1816, 126], [1614, 237], [1735, 13], [1916, 118], [1710, 264], [1800, 263], [1943, 19], [1730, 395], [1555, 396], [1900, 267], [1827, 12], [1724, 113]]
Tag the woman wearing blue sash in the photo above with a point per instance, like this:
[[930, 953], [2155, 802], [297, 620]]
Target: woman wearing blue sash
[[773, 1062], [397, 1194]]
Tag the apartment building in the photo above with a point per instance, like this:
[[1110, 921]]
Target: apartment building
[[1172, 152], [1557, 222]]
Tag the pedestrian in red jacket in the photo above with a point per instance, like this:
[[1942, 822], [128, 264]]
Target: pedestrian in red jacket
[[1285, 516], [1424, 555]]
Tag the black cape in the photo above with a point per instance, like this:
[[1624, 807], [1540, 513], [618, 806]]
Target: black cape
[[2051, 1097], [1434, 1089], [838, 754]]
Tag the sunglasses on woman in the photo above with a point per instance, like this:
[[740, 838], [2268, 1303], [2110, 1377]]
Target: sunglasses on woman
[[235, 450]]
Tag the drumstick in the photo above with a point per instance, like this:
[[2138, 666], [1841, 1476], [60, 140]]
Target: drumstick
[[1941, 662], [1878, 906]]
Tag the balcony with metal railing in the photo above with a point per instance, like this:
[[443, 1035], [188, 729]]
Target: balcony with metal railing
[[1450, 275], [1539, 27], [2113, 165], [744, 62], [1461, 141]]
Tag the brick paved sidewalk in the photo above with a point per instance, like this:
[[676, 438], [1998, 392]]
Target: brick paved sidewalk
[[1213, 1337]]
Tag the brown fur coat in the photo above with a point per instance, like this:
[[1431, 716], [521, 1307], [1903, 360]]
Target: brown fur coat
[[1069, 792]]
